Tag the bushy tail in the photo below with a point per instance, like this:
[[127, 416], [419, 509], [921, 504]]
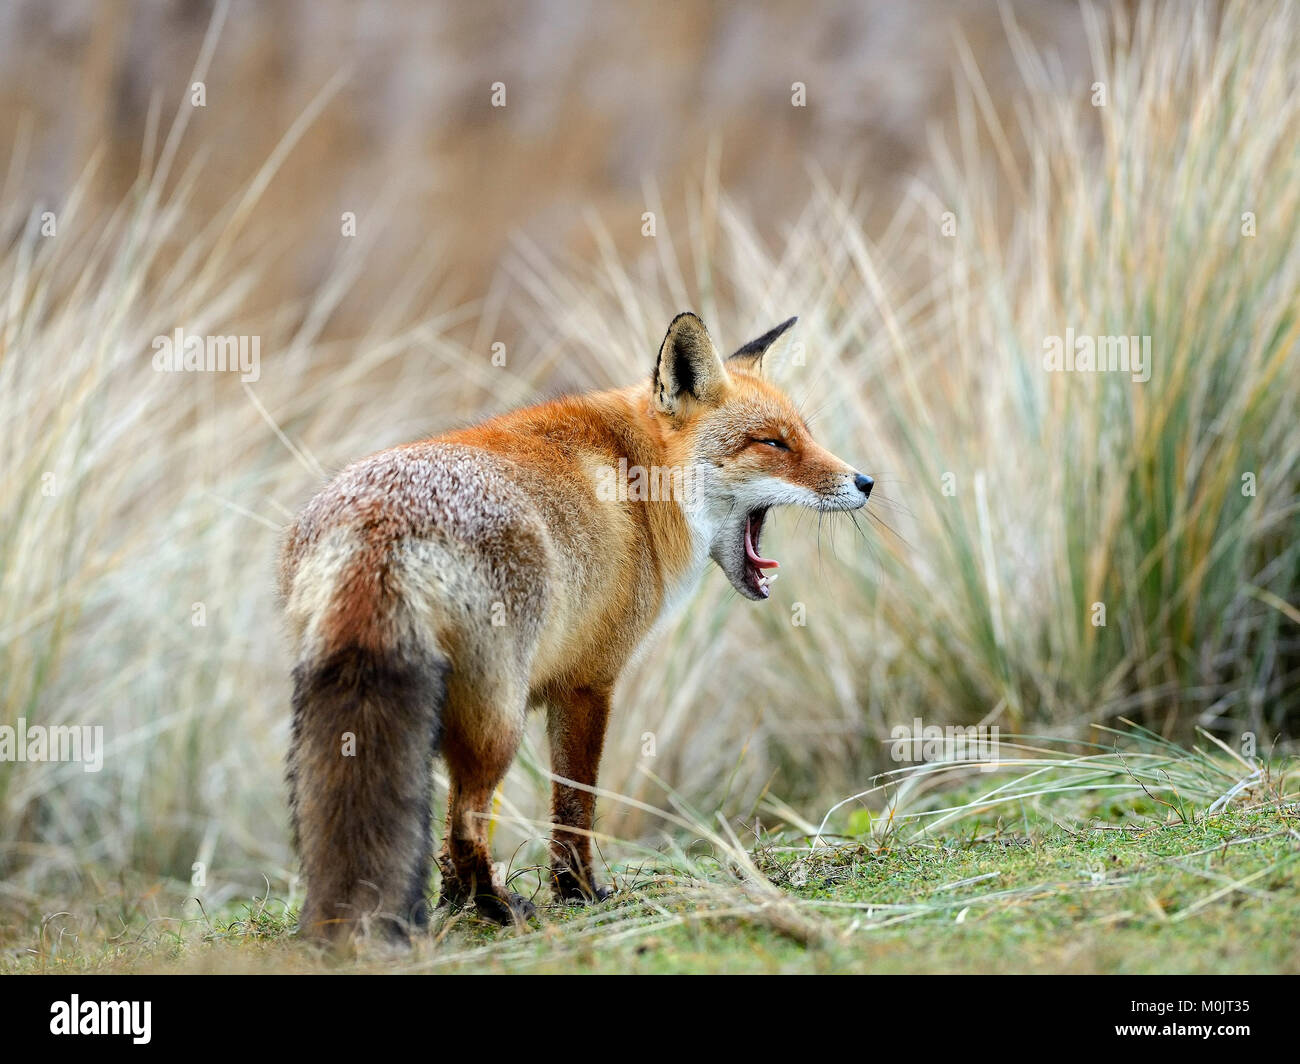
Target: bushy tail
[[366, 727]]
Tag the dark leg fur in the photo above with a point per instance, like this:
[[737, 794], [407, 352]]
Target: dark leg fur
[[477, 765], [576, 724]]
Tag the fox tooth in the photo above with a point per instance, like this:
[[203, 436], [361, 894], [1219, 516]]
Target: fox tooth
[[772, 579]]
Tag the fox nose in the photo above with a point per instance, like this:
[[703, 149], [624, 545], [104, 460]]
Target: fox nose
[[864, 484]]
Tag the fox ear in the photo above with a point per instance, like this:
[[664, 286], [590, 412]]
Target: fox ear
[[751, 355], [688, 366]]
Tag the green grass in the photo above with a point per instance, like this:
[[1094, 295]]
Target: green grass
[[1207, 897], [1056, 882]]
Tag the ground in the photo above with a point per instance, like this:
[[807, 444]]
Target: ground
[[1167, 890]]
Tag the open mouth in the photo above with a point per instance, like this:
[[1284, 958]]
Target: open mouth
[[755, 564]]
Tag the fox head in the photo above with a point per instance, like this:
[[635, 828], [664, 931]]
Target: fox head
[[748, 445]]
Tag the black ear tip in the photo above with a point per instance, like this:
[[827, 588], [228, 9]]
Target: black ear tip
[[780, 330], [756, 349]]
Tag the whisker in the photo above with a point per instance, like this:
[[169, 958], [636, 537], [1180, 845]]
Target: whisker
[[821, 514], [854, 518], [893, 505], [875, 554], [892, 531]]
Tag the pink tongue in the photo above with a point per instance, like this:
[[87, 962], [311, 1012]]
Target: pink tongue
[[751, 554]]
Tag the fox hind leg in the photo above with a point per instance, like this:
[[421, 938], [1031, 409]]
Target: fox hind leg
[[477, 761]]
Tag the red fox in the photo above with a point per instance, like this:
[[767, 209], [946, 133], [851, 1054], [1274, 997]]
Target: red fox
[[437, 590]]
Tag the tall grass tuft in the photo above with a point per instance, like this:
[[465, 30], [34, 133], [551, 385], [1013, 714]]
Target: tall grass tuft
[[1168, 211], [1054, 547]]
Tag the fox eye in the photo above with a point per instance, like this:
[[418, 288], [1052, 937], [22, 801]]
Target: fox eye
[[780, 445]]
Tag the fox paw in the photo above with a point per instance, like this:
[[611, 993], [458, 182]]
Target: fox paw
[[572, 892], [453, 893], [512, 909]]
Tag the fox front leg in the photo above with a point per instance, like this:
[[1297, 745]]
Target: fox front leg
[[576, 726]]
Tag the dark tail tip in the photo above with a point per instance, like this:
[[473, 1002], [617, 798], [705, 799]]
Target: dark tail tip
[[366, 727]]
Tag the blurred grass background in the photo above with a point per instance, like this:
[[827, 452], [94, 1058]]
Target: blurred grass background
[[129, 498]]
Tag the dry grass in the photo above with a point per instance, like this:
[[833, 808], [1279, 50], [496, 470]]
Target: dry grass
[[919, 355]]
